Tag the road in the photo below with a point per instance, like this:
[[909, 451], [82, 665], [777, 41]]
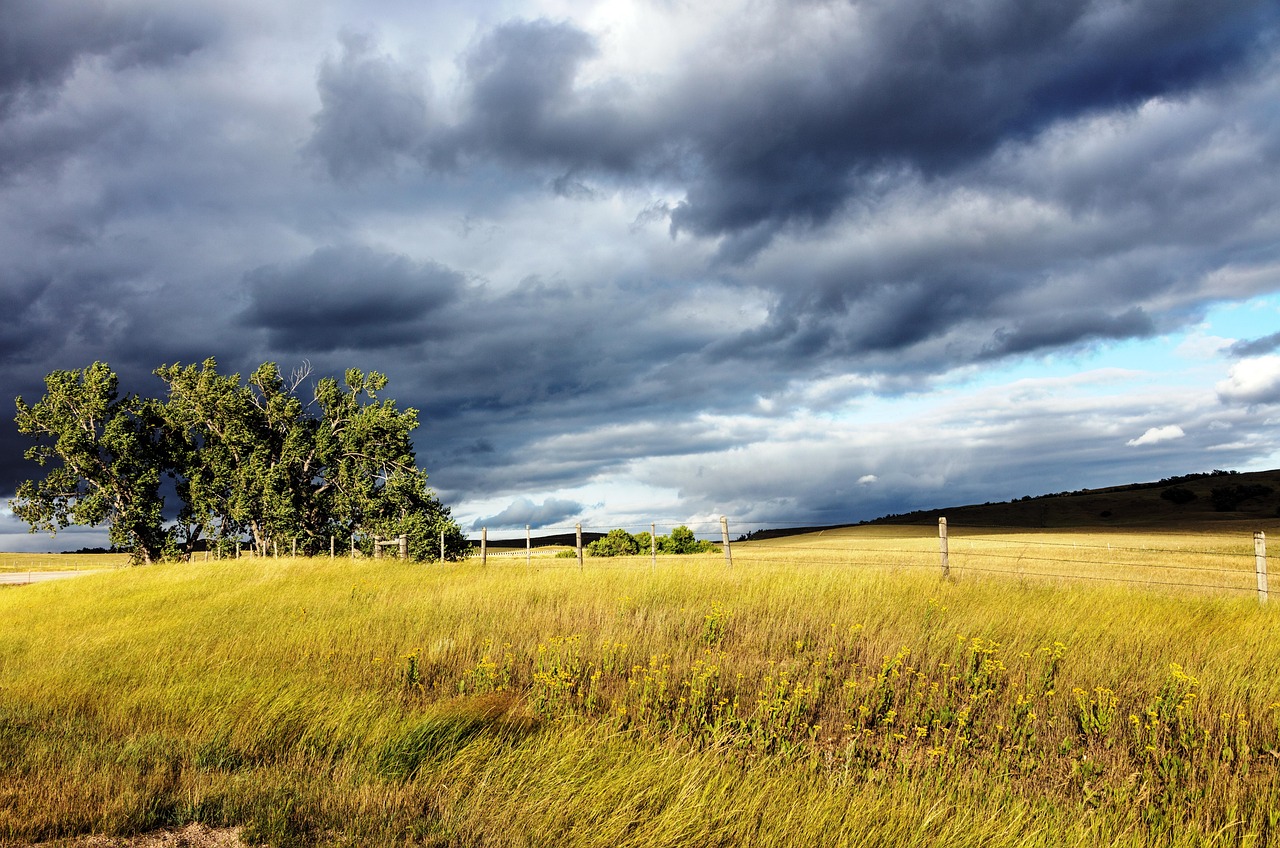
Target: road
[[22, 578]]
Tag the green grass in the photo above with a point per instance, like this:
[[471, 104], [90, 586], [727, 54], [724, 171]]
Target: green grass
[[792, 700]]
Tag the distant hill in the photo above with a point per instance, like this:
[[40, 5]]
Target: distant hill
[[1187, 501]]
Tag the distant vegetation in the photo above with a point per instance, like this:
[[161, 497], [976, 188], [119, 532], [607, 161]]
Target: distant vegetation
[[619, 542], [1186, 499]]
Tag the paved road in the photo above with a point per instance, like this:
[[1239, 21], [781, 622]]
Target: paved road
[[22, 578]]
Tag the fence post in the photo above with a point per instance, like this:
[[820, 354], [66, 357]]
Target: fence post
[[942, 547], [653, 546], [404, 547], [377, 547], [333, 550], [724, 538], [1260, 564], [295, 547], [441, 547], [484, 546], [275, 549], [578, 544], [353, 544], [528, 547]]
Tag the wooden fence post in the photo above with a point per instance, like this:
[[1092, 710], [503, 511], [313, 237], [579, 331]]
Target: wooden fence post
[[942, 547], [275, 549], [442, 546], [295, 547], [578, 530], [653, 546], [484, 546], [333, 550], [377, 547], [528, 547], [404, 547], [724, 537], [1260, 564], [353, 544]]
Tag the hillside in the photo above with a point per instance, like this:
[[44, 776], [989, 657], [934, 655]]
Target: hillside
[[1217, 497]]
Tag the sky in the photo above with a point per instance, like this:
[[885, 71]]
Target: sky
[[795, 262]]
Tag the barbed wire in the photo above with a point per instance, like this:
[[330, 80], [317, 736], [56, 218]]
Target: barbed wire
[[967, 553]]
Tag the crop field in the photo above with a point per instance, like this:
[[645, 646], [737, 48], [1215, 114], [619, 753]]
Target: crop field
[[827, 689]]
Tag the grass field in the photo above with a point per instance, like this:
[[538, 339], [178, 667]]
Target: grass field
[[10, 562], [826, 690]]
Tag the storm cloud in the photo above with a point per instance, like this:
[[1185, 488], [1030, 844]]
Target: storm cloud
[[670, 260]]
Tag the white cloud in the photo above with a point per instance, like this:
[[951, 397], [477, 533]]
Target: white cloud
[[1255, 380], [1157, 434], [868, 479]]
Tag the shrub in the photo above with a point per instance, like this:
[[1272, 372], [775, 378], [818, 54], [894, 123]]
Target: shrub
[[1228, 498], [1178, 495], [615, 543]]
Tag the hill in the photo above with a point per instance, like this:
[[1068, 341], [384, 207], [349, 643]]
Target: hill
[[1186, 502]]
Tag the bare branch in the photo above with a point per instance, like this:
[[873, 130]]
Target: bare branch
[[299, 375]]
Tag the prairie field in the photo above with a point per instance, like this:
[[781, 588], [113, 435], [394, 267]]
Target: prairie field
[[827, 689], [11, 562]]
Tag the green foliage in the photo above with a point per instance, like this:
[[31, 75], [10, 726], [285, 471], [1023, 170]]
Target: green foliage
[[619, 542], [105, 457], [256, 458], [1178, 495], [615, 543], [682, 541], [1229, 498]]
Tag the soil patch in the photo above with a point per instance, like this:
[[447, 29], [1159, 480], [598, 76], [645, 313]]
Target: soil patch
[[191, 836]]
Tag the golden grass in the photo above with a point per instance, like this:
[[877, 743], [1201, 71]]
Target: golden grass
[[14, 562], [826, 690]]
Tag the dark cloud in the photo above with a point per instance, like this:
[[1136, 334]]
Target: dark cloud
[[523, 511], [807, 208], [1055, 331], [43, 40], [349, 297], [791, 137], [1256, 347], [372, 112]]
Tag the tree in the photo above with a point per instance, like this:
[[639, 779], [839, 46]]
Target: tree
[[250, 457], [614, 543], [682, 541], [106, 454]]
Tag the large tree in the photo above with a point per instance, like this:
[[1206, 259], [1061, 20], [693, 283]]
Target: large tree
[[105, 456], [269, 459]]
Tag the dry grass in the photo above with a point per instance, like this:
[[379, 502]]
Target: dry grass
[[827, 690], [12, 562]]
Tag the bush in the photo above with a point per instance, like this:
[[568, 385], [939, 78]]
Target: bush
[[616, 543], [682, 541], [1178, 495], [1229, 498]]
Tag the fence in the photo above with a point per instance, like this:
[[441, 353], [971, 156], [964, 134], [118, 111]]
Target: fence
[[1210, 561]]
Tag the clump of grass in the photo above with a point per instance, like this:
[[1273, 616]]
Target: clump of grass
[[380, 703]]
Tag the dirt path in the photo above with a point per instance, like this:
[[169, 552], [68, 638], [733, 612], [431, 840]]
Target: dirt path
[[22, 578], [191, 836]]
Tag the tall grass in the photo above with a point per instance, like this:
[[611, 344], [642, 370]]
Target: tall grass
[[777, 703]]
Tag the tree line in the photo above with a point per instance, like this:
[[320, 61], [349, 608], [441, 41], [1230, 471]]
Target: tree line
[[619, 542], [268, 460]]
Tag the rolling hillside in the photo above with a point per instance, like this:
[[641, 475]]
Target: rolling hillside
[[1196, 500]]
